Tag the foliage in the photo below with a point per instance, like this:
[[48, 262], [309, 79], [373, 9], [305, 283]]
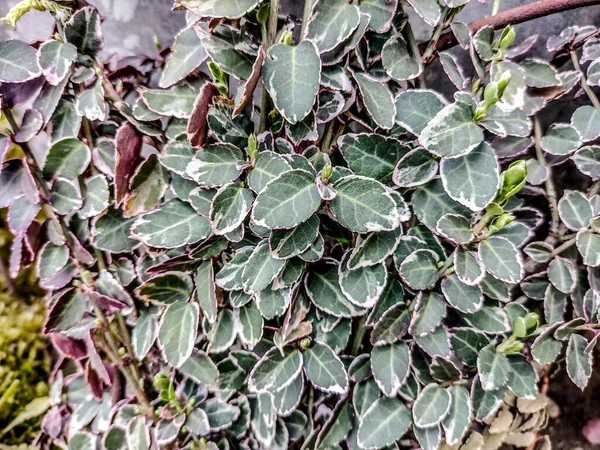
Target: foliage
[[373, 264]]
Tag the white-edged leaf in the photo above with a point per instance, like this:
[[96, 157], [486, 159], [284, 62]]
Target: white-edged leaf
[[431, 407], [275, 370], [579, 364], [415, 108], [55, 59], [177, 332], [18, 62], [331, 22], [575, 210], [501, 259], [188, 53], [378, 100], [457, 422], [229, 207], [391, 366], [383, 423], [493, 368]]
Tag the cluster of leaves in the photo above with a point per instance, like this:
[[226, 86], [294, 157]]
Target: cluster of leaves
[[373, 266]]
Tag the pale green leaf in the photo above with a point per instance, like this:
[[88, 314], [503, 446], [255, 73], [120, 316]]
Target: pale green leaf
[[177, 332]]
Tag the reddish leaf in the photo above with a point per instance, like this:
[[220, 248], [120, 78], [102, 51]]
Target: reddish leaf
[[95, 361], [73, 348], [80, 253], [93, 381], [251, 83], [52, 422], [15, 94], [4, 146], [129, 147], [591, 431], [197, 129], [105, 303]]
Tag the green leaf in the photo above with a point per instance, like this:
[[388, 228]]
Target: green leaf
[[504, 120], [560, 139], [84, 31], [467, 343], [51, 260], [587, 160], [67, 158], [430, 202], [90, 103], [381, 13], [539, 74], [579, 363], [287, 399], [82, 440], [464, 298], [65, 196], [493, 368], [220, 414], [324, 291], [457, 422], [429, 312], [173, 224], [65, 122], [287, 201], [374, 249], [186, 56], [452, 132], [392, 325], [575, 210], [177, 101], [455, 228], [111, 232], [18, 62], [472, 180], [228, 9], [176, 156], [391, 366], [428, 10], [206, 292], [331, 23], [261, 268], [222, 334], [364, 205], [95, 196], [267, 166], [386, 421], [337, 427], [55, 59], [501, 259], [229, 207], [273, 302], [229, 277], [586, 120], [147, 187], [555, 303], [275, 370], [228, 49], [522, 380], [428, 438], [215, 165], [415, 108], [489, 319], [362, 286], [392, 295], [144, 334], [166, 289], [177, 332], [485, 403], [200, 368], [415, 168], [435, 343], [249, 324], [227, 129], [291, 75], [286, 244], [378, 100], [545, 348], [398, 61], [431, 407], [562, 274], [588, 244], [324, 369], [419, 270], [372, 155]]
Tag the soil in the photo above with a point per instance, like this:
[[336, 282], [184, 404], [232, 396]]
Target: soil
[[576, 409]]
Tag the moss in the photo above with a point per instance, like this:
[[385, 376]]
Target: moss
[[24, 359]]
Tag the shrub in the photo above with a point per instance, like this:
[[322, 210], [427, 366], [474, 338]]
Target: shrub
[[356, 261]]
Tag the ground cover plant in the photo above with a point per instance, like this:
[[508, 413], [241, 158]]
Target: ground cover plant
[[276, 235]]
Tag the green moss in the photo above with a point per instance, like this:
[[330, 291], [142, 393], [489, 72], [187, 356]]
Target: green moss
[[24, 360]]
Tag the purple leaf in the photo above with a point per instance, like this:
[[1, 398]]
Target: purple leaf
[[197, 129], [129, 146]]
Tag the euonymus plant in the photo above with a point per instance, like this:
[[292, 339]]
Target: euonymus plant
[[275, 235]]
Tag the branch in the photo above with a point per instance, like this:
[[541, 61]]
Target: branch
[[514, 16]]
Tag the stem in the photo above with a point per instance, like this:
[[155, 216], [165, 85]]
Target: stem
[[496, 7], [564, 246], [271, 35], [516, 15], [413, 49], [437, 32], [305, 17], [549, 183], [449, 261], [358, 337], [482, 223], [8, 282], [594, 189], [123, 333], [583, 81], [328, 137]]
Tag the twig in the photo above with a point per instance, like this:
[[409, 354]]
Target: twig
[[583, 80], [271, 35], [435, 36], [7, 280], [328, 136], [305, 17], [516, 15], [358, 337], [549, 183]]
